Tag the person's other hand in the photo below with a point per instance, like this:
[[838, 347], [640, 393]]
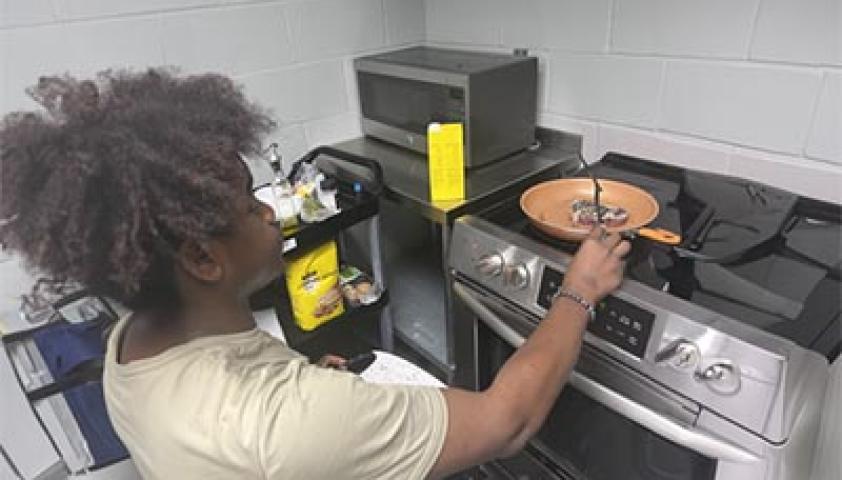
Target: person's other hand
[[597, 268], [332, 361]]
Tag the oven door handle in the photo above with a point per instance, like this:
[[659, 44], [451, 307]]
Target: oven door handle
[[701, 442]]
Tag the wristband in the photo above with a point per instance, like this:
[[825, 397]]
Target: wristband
[[588, 306]]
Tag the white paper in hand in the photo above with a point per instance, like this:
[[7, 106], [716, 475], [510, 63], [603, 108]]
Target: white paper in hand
[[391, 369]]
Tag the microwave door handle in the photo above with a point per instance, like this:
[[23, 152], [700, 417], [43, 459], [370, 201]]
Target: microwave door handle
[[701, 442]]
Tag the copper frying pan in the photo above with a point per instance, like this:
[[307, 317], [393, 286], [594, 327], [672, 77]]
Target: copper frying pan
[[548, 206]]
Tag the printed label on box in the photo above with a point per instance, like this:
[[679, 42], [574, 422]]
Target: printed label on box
[[446, 161]]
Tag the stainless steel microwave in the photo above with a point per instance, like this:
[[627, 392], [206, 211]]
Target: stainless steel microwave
[[494, 96]]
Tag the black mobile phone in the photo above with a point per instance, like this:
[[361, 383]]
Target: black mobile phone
[[360, 362]]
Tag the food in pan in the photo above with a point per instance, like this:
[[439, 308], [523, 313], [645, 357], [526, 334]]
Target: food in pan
[[583, 213]]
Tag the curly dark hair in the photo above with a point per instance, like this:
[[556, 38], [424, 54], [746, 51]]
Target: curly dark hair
[[103, 186]]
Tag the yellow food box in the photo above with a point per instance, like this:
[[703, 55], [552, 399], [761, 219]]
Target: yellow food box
[[313, 285]]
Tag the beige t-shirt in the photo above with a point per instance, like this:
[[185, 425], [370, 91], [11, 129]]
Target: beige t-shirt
[[244, 406]]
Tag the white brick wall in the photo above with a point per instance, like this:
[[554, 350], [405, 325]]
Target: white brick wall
[[464, 21], [825, 140], [327, 28], [799, 31], [14, 12], [570, 25], [748, 87], [235, 40], [760, 106], [290, 55], [747, 79], [602, 87], [404, 21], [715, 28]]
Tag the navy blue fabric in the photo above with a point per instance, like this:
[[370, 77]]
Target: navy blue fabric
[[88, 406], [64, 347]]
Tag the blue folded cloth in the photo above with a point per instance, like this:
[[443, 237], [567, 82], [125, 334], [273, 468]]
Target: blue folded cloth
[[66, 347]]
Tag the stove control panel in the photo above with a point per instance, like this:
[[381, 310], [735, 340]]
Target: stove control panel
[[617, 321]]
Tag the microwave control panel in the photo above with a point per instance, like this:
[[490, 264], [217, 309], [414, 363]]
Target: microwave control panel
[[617, 321]]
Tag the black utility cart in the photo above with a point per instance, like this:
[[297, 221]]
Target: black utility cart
[[360, 329]]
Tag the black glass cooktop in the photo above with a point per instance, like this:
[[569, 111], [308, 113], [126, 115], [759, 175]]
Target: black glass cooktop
[[758, 254]]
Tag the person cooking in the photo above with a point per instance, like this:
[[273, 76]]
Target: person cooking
[[133, 185]]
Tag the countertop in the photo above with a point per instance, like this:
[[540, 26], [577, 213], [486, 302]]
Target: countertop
[[407, 182]]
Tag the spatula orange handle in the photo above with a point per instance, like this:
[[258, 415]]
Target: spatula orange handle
[[660, 235]]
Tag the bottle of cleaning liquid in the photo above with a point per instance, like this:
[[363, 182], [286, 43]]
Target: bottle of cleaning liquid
[[327, 194], [282, 191]]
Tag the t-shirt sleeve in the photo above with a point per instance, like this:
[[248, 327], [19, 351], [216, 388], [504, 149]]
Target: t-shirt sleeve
[[323, 423]]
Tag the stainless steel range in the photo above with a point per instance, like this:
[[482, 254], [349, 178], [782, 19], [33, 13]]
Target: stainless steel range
[[710, 361]]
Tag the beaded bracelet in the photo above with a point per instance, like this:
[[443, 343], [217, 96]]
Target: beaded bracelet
[[588, 306]]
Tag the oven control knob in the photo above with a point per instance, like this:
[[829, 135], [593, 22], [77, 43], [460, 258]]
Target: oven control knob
[[721, 377], [680, 354], [490, 264], [516, 276]]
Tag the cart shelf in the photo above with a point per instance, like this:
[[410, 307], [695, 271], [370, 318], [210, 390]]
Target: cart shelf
[[359, 320], [354, 208]]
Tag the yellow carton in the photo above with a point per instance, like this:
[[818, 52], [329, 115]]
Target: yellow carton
[[446, 161], [313, 286]]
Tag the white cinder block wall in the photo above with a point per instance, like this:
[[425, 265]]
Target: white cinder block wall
[[747, 87], [291, 56]]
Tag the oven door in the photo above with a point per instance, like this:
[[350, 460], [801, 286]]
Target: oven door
[[609, 422]]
